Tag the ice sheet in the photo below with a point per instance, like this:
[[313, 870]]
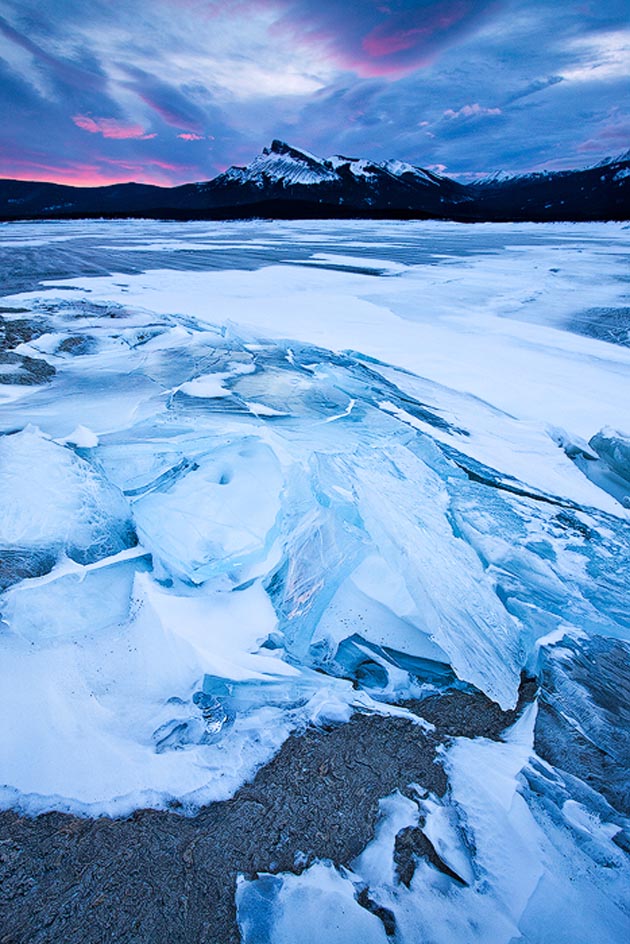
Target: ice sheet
[[282, 474]]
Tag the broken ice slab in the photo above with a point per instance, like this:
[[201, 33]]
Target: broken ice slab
[[614, 448], [71, 602], [53, 499], [215, 518], [384, 502], [18, 564], [282, 691], [221, 702], [379, 668], [583, 721], [180, 733], [610, 469]]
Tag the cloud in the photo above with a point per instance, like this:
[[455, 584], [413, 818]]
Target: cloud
[[538, 85], [62, 71], [471, 111], [612, 138], [173, 106], [467, 84], [112, 128], [383, 39], [87, 174], [600, 57]]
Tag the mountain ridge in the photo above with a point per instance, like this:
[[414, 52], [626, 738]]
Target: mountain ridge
[[286, 182]]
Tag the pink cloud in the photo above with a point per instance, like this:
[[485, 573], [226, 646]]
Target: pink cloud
[[74, 175], [190, 136], [470, 111], [612, 139], [381, 43], [374, 39], [100, 173], [111, 128]]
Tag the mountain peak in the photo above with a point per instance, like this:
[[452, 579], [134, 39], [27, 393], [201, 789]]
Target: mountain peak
[[282, 149], [284, 165]]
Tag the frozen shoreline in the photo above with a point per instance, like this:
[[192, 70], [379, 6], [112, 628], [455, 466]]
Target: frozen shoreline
[[267, 476]]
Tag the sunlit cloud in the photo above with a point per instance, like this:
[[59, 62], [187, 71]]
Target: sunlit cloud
[[80, 174], [380, 39], [112, 128], [600, 58]]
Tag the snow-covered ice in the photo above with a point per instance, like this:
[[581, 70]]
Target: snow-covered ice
[[303, 469]]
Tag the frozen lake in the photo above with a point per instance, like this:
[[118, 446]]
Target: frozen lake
[[258, 475]]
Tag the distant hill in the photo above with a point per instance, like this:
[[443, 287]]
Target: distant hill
[[287, 183]]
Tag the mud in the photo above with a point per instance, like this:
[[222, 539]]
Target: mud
[[163, 877]]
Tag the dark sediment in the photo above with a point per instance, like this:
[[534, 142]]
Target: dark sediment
[[159, 876], [14, 331]]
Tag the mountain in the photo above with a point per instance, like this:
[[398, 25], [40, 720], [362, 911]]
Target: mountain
[[288, 183]]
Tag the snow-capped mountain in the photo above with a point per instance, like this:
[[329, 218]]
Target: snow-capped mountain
[[288, 166], [281, 164], [284, 173], [286, 182]]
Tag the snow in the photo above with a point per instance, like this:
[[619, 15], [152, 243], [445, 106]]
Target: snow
[[357, 167], [525, 872], [289, 168], [317, 907], [398, 168]]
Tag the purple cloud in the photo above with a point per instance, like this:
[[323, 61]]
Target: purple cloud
[[378, 39], [172, 105], [112, 128], [176, 90]]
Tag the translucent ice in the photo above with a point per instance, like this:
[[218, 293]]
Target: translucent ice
[[387, 502], [218, 517], [54, 499]]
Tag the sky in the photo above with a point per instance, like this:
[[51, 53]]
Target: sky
[[170, 91]]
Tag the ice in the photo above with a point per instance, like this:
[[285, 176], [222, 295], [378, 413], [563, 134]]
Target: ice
[[54, 499], [72, 604], [275, 482], [613, 448], [317, 907], [218, 517], [524, 856], [399, 512]]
